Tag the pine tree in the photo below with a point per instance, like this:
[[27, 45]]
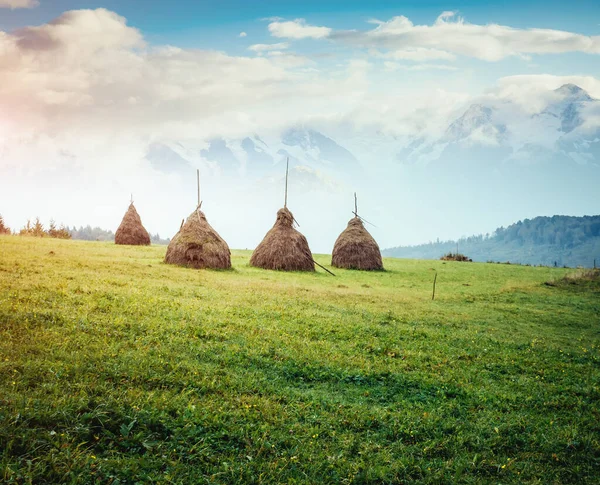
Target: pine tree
[[52, 228], [3, 228], [38, 228], [27, 230], [63, 232]]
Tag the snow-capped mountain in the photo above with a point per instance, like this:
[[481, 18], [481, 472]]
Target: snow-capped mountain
[[476, 124], [254, 156], [572, 100], [490, 133], [502, 131]]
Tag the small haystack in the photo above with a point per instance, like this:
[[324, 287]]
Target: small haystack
[[455, 257], [131, 231], [283, 248], [198, 245], [355, 248]]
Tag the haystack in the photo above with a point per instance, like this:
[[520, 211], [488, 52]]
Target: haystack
[[355, 248], [198, 245], [283, 248], [131, 231]]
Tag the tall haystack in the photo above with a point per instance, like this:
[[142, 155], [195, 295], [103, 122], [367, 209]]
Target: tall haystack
[[355, 248], [283, 248], [198, 245], [131, 231]]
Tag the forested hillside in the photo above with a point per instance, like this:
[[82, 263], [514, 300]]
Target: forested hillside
[[89, 233], [560, 240]]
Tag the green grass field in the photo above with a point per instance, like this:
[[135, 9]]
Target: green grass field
[[117, 368]]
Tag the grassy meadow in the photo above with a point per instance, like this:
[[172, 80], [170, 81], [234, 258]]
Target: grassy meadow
[[116, 368]]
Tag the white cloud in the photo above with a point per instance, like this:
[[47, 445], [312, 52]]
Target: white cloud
[[289, 60], [243, 34], [79, 32], [448, 14], [394, 66], [269, 47], [88, 67], [14, 4], [490, 42], [536, 82], [297, 29], [87, 75], [417, 54], [533, 91]]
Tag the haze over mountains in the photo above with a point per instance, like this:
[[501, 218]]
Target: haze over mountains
[[525, 154], [563, 126], [497, 160]]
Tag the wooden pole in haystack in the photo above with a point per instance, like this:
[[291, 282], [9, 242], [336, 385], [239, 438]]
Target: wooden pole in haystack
[[356, 212], [321, 266], [198, 183], [287, 169]]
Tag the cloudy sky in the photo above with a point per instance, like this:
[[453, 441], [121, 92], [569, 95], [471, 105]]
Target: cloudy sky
[[89, 87]]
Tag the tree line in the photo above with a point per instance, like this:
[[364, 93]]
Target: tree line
[[37, 229], [550, 241], [85, 233]]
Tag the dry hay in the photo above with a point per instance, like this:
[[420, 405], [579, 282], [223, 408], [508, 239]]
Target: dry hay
[[131, 231], [198, 245], [283, 247], [456, 257], [355, 248], [580, 277]]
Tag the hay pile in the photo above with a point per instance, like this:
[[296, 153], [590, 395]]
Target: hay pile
[[131, 231], [283, 248], [355, 248], [198, 245], [456, 257]]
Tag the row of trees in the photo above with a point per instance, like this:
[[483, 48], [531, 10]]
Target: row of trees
[[37, 230], [87, 233], [563, 231], [550, 241]]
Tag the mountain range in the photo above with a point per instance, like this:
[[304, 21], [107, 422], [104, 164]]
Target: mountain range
[[564, 128], [496, 159], [252, 156]]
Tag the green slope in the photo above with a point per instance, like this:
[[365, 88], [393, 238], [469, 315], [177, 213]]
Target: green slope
[[116, 368]]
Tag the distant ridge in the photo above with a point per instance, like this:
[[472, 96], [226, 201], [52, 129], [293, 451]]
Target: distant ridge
[[561, 240]]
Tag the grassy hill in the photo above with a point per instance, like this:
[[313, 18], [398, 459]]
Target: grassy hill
[[117, 368]]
